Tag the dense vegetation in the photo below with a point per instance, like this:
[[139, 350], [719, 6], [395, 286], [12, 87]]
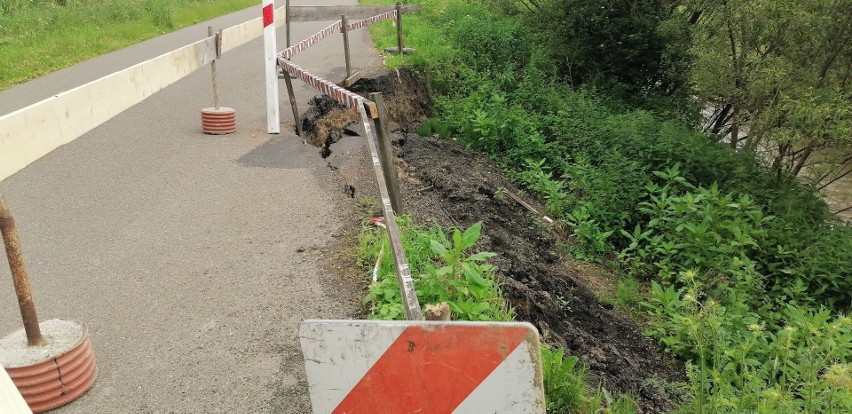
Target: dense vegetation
[[446, 271], [596, 106], [41, 36]]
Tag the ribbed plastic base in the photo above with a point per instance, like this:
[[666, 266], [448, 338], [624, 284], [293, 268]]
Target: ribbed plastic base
[[218, 121]]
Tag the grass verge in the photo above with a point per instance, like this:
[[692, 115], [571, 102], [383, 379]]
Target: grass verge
[[41, 36]]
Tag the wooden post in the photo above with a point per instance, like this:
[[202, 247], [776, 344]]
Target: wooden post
[[19, 275], [386, 151], [213, 64], [293, 103], [287, 22], [399, 28], [345, 30]]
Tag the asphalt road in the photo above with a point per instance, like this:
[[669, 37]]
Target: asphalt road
[[191, 258]]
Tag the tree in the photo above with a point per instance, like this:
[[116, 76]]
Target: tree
[[777, 73], [633, 44]]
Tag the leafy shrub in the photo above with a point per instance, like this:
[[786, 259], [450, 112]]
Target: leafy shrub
[[564, 381], [740, 365], [442, 270], [739, 258]]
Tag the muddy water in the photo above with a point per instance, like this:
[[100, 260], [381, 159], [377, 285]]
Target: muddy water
[[839, 196]]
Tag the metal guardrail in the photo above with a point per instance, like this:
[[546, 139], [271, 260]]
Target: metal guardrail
[[374, 118]]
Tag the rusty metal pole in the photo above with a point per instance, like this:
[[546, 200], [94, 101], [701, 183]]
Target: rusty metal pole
[[386, 152], [399, 28], [19, 275]]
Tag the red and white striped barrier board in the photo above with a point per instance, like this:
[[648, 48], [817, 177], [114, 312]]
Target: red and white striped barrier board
[[11, 401], [388, 367]]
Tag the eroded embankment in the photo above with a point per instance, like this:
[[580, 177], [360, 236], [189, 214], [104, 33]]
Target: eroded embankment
[[445, 184]]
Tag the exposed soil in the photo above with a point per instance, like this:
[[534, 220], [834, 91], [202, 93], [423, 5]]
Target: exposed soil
[[445, 184]]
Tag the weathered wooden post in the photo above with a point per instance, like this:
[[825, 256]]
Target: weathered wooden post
[[399, 41], [19, 275], [344, 29], [293, 104], [217, 120], [218, 35], [386, 151]]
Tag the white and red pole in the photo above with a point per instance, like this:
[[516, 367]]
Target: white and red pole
[[269, 45]]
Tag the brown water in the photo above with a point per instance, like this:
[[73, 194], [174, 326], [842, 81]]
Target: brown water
[[839, 196]]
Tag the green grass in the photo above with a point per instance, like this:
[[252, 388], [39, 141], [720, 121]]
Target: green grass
[[417, 30], [41, 36]]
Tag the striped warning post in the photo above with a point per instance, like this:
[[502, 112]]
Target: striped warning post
[[422, 367], [273, 117]]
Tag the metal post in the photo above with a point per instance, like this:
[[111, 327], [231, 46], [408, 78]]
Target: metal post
[[273, 120], [287, 22], [293, 103], [218, 41], [410, 302], [386, 151], [19, 275], [345, 30], [399, 28]]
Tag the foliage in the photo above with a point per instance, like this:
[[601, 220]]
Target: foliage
[[726, 243], [564, 381], [742, 364], [778, 73], [630, 47], [730, 239], [443, 271]]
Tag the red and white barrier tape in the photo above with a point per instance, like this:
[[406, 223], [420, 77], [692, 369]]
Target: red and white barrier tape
[[350, 99], [330, 30], [372, 20], [316, 37]]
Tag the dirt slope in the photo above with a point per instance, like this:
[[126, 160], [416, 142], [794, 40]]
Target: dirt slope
[[445, 184]]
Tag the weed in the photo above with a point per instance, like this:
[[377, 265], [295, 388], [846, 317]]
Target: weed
[[443, 271], [627, 293], [564, 381]]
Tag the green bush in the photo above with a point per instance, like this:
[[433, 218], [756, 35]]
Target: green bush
[[739, 258], [443, 272], [741, 365]]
